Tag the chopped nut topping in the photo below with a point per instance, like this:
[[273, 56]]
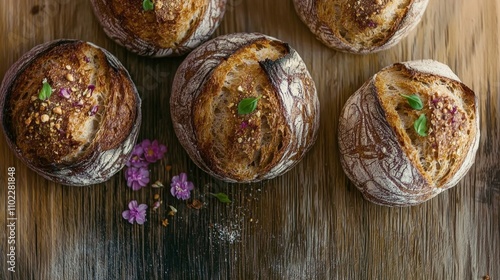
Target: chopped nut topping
[[70, 77], [44, 118], [57, 110], [240, 140], [68, 67]]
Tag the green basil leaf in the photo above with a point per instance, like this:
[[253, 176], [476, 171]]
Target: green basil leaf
[[46, 91], [147, 5], [222, 197], [414, 101], [248, 105], [420, 125]]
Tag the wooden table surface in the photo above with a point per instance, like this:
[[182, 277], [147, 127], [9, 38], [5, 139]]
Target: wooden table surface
[[311, 223]]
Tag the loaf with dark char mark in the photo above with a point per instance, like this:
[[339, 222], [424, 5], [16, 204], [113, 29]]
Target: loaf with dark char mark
[[360, 26], [381, 151], [84, 131], [171, 28], [207, 89]]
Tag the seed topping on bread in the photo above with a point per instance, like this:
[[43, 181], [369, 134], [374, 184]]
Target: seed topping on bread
[[57, 117]]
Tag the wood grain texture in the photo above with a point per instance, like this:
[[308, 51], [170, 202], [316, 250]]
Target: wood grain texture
[[311, 223]]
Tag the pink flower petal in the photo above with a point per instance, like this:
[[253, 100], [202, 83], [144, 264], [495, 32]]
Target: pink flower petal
[[142, 207], [145, 143], [136, 186], [126, 214], [64, 92], [94, 110], [91, 89], [132, 204], [183, 177], [140, 220], [131, 219]]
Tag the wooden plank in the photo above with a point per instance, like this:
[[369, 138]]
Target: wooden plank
[[311, 223]]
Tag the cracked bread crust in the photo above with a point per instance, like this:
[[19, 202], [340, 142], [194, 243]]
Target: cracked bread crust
[[360, 26], [383, 155], [82, 134], [206, 91], [172, 28]]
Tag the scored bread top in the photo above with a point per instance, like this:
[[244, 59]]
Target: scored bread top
[[360, 26], [210, 84], [363, 23], [92, 106], [381, 151], [248, 143], [449, 107], [172, 27]]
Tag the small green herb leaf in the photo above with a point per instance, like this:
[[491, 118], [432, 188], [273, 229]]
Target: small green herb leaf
[[420, 125], [147, 5], [248, 105], [414, 101], [222, 197], [46, 91]]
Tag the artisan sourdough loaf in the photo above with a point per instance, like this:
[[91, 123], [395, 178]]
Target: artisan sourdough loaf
[[70, 111], [170, 28], [210, 85], [388, 153], [360, 26]]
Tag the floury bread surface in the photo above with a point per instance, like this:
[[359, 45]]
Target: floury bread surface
[[234, 147], [83, 133], [381, 151], [171, 28], [360, 26]]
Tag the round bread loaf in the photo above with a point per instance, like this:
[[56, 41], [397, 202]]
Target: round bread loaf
[[397, 154], [360, 26], [217, 79], [70, 111], [170, 28]]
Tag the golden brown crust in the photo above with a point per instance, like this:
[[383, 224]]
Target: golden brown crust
[[173, 27], [245, 142], [244, 147], [382, 153], [93, 110], [361, 26], [450, 119]]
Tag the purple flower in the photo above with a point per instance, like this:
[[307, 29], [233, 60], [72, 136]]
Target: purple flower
[[153, 151], [181, 187], [157, 204], [137, 177], [91, 88], [64, 92], [136, 213], [94, 110], [137, 157]]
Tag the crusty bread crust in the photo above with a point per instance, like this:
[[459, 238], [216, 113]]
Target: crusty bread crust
[[244, 148], [381, 152], [83, 133], [361, 26], [172, 28]]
